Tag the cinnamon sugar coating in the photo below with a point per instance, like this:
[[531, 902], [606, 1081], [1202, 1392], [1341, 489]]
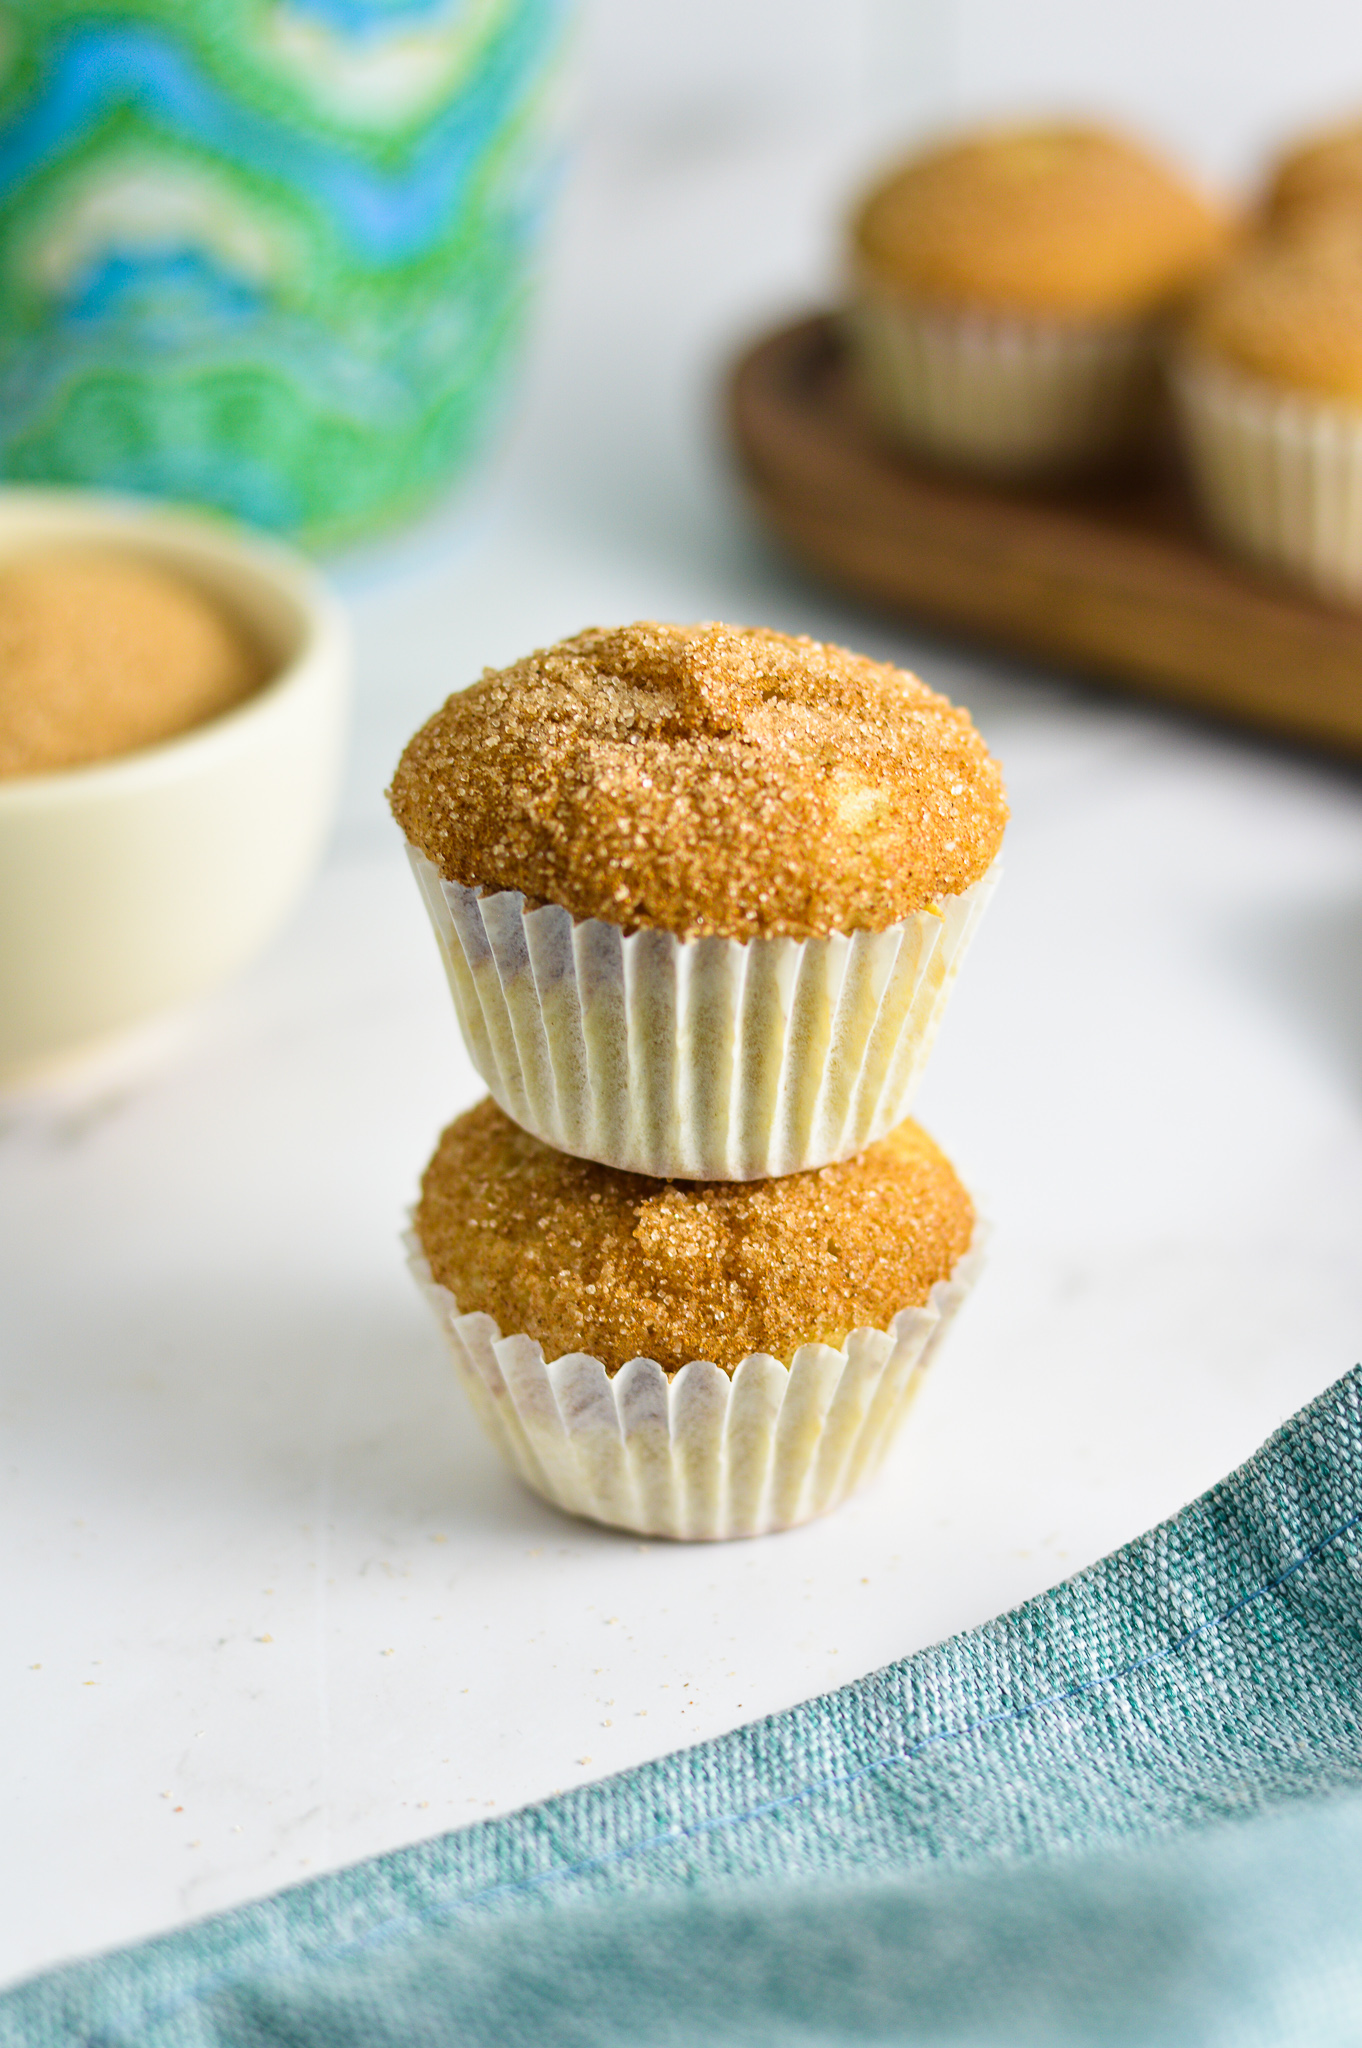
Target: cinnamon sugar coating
[[705, 780], [1288, 308], [586, 1259], [102, 653], [1061, 222]]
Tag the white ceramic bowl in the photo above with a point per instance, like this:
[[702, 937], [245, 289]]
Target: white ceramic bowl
[[131, 886]]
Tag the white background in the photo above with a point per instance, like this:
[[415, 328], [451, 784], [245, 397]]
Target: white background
[[270, 1604], [1214, 81]]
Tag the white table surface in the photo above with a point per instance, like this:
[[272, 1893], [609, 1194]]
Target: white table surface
[[270, 1602]]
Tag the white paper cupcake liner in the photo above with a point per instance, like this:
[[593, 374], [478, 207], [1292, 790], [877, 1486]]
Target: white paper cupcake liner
[[1278, 474], [1009, 398], [696, 1059], [703, 1454]]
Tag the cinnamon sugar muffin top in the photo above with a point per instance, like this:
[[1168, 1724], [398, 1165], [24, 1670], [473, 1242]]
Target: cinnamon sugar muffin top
[[705, 780], [1288, 308], [1050, 220], [583, 1258], [103, 652]]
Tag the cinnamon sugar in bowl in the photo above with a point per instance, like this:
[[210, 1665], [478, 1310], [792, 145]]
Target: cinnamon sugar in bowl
[[701, 891], [103, 652], [172, 708]]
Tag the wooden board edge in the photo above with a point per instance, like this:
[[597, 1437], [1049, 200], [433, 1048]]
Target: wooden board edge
[[1164, 615]]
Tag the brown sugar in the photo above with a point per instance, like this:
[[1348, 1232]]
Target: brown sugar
[[705, 780], [1059, 222], [1289, 308], [102, 653], [621, 1266]]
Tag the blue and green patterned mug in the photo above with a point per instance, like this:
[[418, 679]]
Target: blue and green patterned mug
[[267, 255]]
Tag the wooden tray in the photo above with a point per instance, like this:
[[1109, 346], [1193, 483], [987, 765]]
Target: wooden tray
[[1112, 578]]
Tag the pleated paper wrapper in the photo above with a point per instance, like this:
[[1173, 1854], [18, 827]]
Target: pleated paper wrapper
[[696, 1059], [1006, 398], [1278, 474], [704, 1454]]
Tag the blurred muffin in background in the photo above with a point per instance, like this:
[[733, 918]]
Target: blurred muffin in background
[[1268, 388], [1007, 291], [1322, 171]]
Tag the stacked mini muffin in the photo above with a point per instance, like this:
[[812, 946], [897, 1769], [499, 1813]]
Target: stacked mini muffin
[[701, 893]]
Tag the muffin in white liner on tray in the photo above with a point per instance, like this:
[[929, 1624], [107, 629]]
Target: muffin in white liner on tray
[[701, 892], [1008, 287], [1268, 383], [687, 1447], [1278, 474], [1010, 398]]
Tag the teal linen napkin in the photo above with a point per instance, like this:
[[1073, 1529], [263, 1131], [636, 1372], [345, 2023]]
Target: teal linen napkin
[[1069, 1826]]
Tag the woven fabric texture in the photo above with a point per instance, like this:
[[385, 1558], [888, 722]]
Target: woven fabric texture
[[1119, 1814]]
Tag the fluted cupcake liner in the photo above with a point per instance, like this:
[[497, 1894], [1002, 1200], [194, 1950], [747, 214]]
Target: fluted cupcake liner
[[696, 1059], [1278, 473], [1007, 397], [702, 1454]]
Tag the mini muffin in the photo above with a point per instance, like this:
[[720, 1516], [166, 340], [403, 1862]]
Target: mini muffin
[[701, 891], [689, 1359], [1317, 175], [1007, 287], [1269, 393]]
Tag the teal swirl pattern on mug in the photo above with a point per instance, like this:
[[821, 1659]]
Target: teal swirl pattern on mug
[[268, 255]]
